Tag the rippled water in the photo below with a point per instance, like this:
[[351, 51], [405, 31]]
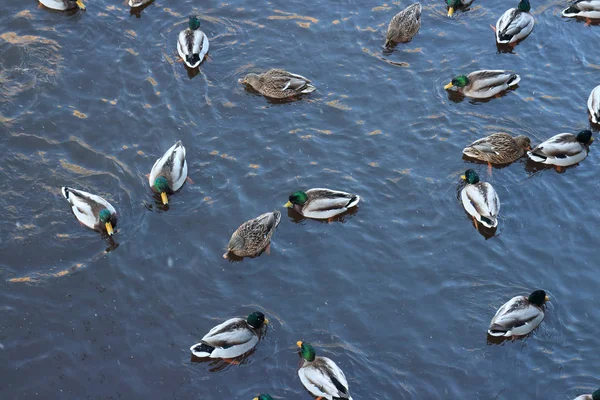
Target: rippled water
[[398, 293]]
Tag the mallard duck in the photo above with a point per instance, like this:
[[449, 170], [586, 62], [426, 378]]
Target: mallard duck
[[263, 397], [404, 25], [583, 9], [454, 4], [192, 43], [91, 210], [563, 149], [485, 83], [138, 3], [519, 316], [63, 5], [593, 396], [321, 376], [594, 105], [515, 24], [499, 148], [232, 338], [480, 200], [278, 84], [169, 172], [253, 236], [320, 203]]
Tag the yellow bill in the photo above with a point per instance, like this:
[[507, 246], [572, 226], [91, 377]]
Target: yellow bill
[[256, 398], [463, 177], [299, 343], [80, 4], [109, 228], [450, 11], [547, 298], [164, 198], [266, 320], [591, 140], [288, 204], [448, 86]]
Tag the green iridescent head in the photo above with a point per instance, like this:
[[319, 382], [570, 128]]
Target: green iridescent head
[[460, 81], [470, 176], [263, 397], [256, 320], [454, 3], [538, 298], [161, 184], [299, 198], [596, 395], [585, 137], [104, 216], [524, 6], [194, 23], [306, 351]]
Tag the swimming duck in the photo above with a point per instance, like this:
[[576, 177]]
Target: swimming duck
[[485, 83], [63, 5], [499, 148], [321, 376], [480, 200], [593, 396], [594, 105], [563, 149], [263, 397], [192, 43], [169, 172], [404, 25], [589, 9], [91, 210], [321, 203], [138, 3], [515, 24], [253, 236], [454, 4], [232, 338], [519, 316], [278, 83]]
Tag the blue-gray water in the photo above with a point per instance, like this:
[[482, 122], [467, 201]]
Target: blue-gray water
[[399, 293]]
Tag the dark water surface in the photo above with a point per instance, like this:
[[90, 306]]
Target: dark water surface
[[399, 293]]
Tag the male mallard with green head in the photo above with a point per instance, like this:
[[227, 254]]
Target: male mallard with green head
[[192, 43], [232, 338], [263, 397], [253, 236], [563, 150], [91, 210], [480, 200], [593, 396], [321, 376], [484, 84], [169, 172], [278, 84], [519, 316], [404, 25], [594, 105], [589, 9], [515, 24], [455, 4], [63, 5], [321, 203]]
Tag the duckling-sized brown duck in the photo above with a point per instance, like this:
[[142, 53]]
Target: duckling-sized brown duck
[[404, 25], [278, 84]]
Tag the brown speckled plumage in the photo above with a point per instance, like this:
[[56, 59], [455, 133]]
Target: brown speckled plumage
[[253, 236], [404, 25], [278, 84], [499, 148]]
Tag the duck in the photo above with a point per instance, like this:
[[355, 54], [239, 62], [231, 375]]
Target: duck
[[63, 5], [91, 210], [498, 148], [192, 43], [321, 376], [169, 172], [321, 203], [455, 4], [589, 9], [138, 3], [515, 24], [254, 236], [484, 84], [593, 396], [563, 150], [263, 396], [232, 338], [278, 84], [593, 104], [519, 316], [404, 25], [480, 200]]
